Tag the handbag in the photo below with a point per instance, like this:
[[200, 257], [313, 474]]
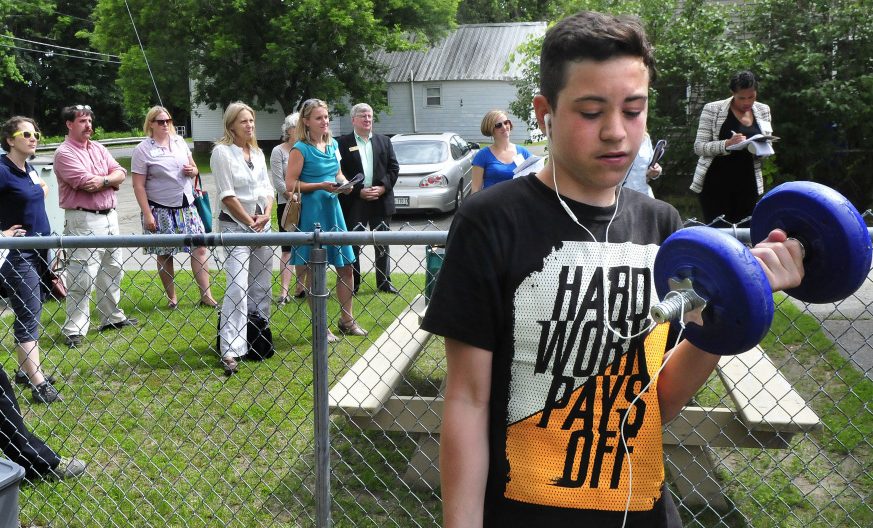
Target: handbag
[[259, 338], [291, 216], [204, 207], [54, 279]]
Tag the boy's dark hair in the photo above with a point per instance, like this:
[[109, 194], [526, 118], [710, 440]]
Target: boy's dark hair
[[743, 80], [590, 35], [10, 127], [70, 113]]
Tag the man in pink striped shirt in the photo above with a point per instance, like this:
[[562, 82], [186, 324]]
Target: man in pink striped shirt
[[88, 178]]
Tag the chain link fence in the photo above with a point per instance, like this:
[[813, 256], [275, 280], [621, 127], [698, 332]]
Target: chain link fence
[[777, 437]]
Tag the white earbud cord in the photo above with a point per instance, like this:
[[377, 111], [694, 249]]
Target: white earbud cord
[[609, 327], [667, 356]]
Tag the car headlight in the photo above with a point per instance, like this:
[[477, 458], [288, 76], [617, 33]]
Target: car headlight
[[434, 180]]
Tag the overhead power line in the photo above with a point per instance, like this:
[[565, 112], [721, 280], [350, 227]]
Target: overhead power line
[[59, 54], [60, 47]]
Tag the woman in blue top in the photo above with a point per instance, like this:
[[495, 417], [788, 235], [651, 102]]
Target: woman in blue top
[[22, 213], [314, 161], [496, 163]]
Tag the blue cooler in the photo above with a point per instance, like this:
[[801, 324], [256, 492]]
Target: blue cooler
[[10, 475]]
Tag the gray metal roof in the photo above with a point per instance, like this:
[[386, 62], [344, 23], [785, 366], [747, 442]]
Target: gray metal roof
[[471, 52]]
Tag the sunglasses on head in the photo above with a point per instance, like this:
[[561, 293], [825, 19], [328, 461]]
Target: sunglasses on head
[[27, 134], [82, 107], [507, 123], [163, 121]]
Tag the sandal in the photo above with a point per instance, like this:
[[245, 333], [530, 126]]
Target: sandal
[[331, 338], [351, 329], [230, 364]]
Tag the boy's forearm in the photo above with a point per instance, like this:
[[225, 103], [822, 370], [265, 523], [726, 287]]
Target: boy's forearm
[[685, 372], [463, 463]]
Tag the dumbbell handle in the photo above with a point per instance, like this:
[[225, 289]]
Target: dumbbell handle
[[681, 300]]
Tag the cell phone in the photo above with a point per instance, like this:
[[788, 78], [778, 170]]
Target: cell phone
[[658, 153]]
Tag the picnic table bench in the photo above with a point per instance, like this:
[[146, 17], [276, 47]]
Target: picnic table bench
[[767, 411]]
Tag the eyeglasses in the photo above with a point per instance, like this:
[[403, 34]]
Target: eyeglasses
[[506, 123], [27, 134], [82, 107], [163, 121]]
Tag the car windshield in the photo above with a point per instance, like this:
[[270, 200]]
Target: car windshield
[[420, 152]]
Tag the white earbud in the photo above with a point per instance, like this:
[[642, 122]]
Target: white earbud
[[548, 120]]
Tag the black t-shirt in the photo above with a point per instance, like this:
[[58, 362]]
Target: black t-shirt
[[738, 167], [522, 280]]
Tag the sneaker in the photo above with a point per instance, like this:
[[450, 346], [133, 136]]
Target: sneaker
[[46, 393], [22, 379], [73, 341], [130, 321], [69, 468]]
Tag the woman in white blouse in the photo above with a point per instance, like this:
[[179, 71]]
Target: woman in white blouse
[[246, 197]]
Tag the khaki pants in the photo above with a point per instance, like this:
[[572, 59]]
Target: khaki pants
[[92, 268]]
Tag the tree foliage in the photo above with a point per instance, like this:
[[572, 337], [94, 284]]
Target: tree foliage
[[488, 11], [816, 63], [38, 80], [264, 51]]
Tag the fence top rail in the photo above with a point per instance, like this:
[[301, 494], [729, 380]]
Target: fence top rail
[[358, 238], [328, 238]]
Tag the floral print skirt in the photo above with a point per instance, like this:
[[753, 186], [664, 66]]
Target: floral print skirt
[[174, 221]]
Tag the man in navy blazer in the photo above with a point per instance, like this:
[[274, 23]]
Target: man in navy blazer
[[371, 202]]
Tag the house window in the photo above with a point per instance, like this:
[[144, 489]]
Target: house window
[[432, 96]]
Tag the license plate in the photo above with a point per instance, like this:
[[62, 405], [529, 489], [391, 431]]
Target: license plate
[[401, 200]]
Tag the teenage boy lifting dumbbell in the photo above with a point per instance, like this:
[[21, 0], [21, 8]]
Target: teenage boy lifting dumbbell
[[542, 369]]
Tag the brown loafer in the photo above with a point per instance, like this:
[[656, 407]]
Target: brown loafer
[[351, 329]]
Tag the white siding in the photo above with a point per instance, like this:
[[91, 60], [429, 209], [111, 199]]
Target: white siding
[[207, 125], [464, 103]]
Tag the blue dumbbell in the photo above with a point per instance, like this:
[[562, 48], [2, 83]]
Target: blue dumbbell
[[722, 288]]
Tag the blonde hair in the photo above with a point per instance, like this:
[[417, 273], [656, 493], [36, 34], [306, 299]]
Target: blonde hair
[[150, 117], [492, 118], [231, 113], [301, 131]]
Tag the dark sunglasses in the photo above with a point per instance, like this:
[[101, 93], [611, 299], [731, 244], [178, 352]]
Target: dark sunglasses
[[506, 123], [27, 134], [163, 121]]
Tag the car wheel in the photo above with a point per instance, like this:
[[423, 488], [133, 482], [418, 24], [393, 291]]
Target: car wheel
[[459, 195]]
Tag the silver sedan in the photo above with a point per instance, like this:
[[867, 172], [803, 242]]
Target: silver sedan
[[435, 171]]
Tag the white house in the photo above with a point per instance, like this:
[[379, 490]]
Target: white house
[[447, 88]]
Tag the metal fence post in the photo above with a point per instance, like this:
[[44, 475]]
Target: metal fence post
[[318, 295]]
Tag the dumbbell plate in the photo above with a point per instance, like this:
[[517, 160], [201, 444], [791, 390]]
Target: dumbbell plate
[[834, 236], [739, 308]]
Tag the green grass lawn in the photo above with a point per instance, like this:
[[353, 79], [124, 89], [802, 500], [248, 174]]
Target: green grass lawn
[[170, 441], [824, 479]]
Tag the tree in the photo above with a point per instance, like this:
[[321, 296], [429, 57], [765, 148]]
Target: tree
[[485, 11], [266, 51], [817, 77], [45, 64]]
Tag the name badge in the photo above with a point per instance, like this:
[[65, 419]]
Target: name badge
[[157, 152], [518, 159], [354, 149], [338, 155], [34, 177]]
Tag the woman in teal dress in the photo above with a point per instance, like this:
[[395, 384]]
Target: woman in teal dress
[[313, 160]]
